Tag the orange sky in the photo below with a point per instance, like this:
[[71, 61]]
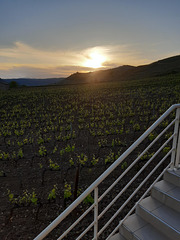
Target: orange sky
[[41, 39]]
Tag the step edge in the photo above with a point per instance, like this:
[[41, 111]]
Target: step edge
[[166, 193], [119, 236], [131, 232], [166, 183], [134, 233], [159, 219], [172, 172]]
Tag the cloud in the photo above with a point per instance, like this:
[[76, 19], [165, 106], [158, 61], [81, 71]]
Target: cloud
[[22, 60], [24, 54], [40, 72]]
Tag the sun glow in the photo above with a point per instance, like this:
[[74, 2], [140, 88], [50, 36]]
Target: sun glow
[[95, 59]]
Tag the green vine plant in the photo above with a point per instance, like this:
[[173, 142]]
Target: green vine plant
[[4, 155], [124, 165], [152, 136], [20, 144], [146, 156], [136, 127], [42, 151], [109, 158], [53, 193], [67, 190], [89, 199], [82, 159], [71, 162], [20, 153], [67, 193], [68, 148], [40, 140], [23, 200], [53, 165], [54, 150], [95, 160], [40, 165], [166, 150], [117, 142], [102, 143]]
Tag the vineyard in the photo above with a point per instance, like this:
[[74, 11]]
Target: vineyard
[[55, 141]]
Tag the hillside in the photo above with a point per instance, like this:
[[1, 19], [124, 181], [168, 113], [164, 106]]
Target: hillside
[[51, 136], [159, 68]]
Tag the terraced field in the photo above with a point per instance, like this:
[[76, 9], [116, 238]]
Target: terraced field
[[55, 141]]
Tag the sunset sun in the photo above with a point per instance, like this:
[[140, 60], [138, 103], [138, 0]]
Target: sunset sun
[[94, 60]]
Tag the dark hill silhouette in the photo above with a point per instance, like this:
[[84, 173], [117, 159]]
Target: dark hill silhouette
[[162, 67]]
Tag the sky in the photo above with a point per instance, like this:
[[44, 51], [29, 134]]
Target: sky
[[55, 38]]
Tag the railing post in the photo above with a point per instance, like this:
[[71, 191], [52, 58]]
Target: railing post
[[177, 162], [176, 142], [96, 213]]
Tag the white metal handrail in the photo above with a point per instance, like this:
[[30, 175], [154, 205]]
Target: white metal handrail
[[132, 180], [132, 195], [132, 209], [174, 163]]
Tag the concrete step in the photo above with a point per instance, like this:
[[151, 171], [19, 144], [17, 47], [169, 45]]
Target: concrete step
[[134, 227], [162, 217], [158, 216], [117, 236], [167, 193], [172, 176]]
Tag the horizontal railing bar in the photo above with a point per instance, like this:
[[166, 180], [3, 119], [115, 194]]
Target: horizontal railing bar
[[66, 212], [76, 222], [132, 180], [132, 209], [132, 195], [135, 161], [85, 231]]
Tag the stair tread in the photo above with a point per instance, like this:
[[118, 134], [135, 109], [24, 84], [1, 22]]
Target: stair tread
[[117, 237], [157, 217], [174, 172], [162, 212], [177, 172], [142, 229], [173, 176], [168, 188]]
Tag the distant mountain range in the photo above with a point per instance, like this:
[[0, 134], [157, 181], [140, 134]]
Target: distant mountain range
[[162, 67], [29, 82]]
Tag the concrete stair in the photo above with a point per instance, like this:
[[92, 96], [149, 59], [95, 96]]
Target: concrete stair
[[157, 217]]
